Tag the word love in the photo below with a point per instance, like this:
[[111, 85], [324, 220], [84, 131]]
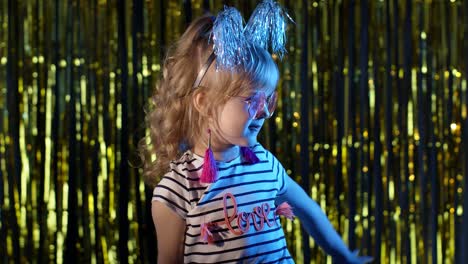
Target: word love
[[259, 216]]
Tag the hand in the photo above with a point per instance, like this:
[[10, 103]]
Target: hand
[[354, 258]]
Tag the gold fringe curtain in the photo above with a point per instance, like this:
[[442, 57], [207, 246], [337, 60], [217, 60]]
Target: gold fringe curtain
[[372, 122]]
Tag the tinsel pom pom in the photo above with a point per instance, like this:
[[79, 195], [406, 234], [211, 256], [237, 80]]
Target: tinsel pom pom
[[205, 233], [228, 40], [266, 27], [285, 210]]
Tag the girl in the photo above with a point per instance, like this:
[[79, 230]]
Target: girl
[[222, 193]]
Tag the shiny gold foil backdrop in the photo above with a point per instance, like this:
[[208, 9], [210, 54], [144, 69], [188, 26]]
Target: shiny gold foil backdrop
[[372, 122]]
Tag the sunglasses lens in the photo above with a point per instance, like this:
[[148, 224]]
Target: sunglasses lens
[[272, 103], [259, 105], [253, 110], [254, 106]]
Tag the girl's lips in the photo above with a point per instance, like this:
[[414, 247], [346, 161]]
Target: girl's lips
[[255, 127]]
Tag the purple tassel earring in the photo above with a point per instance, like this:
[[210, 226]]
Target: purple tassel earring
[[248, 155], [209, 171]]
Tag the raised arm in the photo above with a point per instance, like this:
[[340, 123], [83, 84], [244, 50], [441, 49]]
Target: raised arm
[[316, 223], [170, 229]]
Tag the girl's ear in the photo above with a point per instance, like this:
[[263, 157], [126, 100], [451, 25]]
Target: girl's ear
[[199, 102]]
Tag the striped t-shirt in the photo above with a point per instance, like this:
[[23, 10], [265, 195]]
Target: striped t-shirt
[[242, 193]]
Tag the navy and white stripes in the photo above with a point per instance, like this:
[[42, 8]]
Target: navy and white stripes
[[252, 190]]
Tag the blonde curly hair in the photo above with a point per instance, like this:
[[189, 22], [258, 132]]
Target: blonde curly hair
[[172, 120]]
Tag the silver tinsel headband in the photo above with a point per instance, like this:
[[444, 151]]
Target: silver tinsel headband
[[232, 41]]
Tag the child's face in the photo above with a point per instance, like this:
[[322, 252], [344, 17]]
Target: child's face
[[242, 117]]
